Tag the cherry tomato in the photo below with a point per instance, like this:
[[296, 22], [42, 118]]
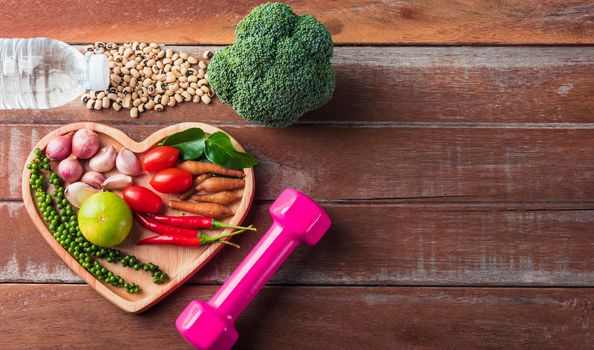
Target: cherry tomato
[[160, 158], [172, 180], [141, 199]]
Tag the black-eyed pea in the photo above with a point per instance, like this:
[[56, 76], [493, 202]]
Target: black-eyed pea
[[134, 112], [98, 104], [116, 106], [202, 65], [196, 99], [149, 105], [192, 60], [205, 99], [159, 107], [186, 96], [178, 98]]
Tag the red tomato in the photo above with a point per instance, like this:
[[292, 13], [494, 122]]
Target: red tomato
[[160, 158], [141, 199], [172, 180]]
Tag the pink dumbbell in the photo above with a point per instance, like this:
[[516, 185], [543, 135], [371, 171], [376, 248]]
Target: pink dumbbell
[[296, 219]]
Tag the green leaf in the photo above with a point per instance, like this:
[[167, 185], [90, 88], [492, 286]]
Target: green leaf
[[220, 150], [189, 142]]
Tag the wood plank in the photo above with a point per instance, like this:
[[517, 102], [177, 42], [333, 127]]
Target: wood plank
[[387, 162], [332, 318], [350, 22], [396, 244], [407, 85]]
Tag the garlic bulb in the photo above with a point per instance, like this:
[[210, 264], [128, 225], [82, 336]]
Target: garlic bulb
[[117, 182], [104, 160], [127, 163], [77, 192], [93, 178]]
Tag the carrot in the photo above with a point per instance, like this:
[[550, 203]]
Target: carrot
[[199, 168], [218, 184], [224, 197], [197, 181], [211, 210]]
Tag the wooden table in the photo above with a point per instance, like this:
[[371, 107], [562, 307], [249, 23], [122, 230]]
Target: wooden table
[[456, 160]]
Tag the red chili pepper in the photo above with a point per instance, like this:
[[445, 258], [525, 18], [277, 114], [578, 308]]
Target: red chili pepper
[[162, 229], [195, 222], [171, 235], [198, 240]]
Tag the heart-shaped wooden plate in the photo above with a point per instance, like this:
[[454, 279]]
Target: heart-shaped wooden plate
[[179, 263]]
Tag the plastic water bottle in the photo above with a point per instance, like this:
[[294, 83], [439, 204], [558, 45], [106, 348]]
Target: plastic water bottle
[[43, 73]]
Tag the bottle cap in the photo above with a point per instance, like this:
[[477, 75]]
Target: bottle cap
[[97, 72]]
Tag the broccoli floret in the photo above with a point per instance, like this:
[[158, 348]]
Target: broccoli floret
[[279, 67]]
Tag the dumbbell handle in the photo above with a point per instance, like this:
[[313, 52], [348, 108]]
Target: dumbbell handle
[[254, 271]]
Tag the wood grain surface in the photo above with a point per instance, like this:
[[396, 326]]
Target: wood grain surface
[[389, 244], [414, 86], [315, 317], [389, 162], [350, 22]]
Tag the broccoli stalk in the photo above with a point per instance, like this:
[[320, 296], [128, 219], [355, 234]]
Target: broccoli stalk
[[278, 69]]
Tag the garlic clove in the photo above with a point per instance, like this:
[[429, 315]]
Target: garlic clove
[[117, 182], [127, 163], [93, 178], [77, 192], [59, 147], [104, 160], [85, 143], [70, 169]]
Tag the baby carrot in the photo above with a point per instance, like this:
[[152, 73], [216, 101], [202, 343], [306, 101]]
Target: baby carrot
[[224, 197], [218, 184], [198, 168], [190, 191], [211, 210]]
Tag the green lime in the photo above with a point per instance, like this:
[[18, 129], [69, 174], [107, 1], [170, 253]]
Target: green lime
[[105, 219]]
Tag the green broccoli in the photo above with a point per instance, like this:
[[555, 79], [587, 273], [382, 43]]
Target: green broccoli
[[279, 67]]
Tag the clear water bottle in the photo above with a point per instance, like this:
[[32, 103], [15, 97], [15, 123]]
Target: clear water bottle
[[43, 73]]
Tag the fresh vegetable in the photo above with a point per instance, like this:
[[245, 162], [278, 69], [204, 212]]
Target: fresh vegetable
[[218, 148], [77, 192], [117, 182], [194, 222], [160, 158], [189, 142], [105, 219], [70, 169], [127, 163], [61, 221], [217, 184], [190, 191], [211, 210], [104, 160], [142, 200], [85, 143], [199, 240], [199, 168], [93, 178], [223, 197], [279, 67], [59, 147], [172, 180]]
